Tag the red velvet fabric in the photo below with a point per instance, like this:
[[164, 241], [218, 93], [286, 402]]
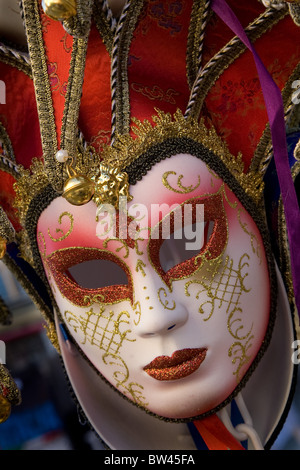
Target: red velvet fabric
[[156, 78]]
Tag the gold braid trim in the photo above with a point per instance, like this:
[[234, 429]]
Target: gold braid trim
[[16, 62], [122, 46], [42, 88], [194, 39], [7, 232], [79, 25], [261, 156], [212, 71], [54, 169], [295, 13], [73, 98], [5, 140], [103, 26], [7, 158]]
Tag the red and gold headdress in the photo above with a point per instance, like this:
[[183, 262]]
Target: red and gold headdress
[[93, 95]]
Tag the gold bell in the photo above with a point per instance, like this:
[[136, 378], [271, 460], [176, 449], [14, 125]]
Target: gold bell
[[78, 189], [59, 9], [2, 247], [5, 409]]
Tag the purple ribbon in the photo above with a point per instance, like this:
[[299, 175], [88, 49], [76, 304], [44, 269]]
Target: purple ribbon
[[275, 110]]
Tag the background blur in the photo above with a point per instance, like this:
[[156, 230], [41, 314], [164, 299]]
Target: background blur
[[48, 418]]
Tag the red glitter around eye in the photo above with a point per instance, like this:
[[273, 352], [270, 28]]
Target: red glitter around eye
[[213, 212], [59, 263]]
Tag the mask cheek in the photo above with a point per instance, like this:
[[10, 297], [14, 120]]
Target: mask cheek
[[231, 315], [104, 334]]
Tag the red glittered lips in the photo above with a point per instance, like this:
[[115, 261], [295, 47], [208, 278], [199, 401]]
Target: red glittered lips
[[181, 364]]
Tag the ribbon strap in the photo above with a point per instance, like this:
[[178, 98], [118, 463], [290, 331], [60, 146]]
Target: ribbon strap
[[275, 110], [215, 434]]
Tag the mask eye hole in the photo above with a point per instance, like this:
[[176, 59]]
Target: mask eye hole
[[97, 273], [183, 245], [84, 273]]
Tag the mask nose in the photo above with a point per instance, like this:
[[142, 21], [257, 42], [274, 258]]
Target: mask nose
[[160, 312]]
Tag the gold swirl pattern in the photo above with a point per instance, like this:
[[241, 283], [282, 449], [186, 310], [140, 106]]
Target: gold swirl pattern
[[140, 265], [107, 331], [123, 246], [256, 248], [239, 353], [165, 303], [222, 284], [138, 311], [182, 189], [59, 230]]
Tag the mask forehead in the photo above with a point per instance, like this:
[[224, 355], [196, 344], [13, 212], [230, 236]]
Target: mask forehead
[[176, 179]]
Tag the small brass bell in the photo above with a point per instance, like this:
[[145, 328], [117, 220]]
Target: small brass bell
[[78, 189], [59, 9], [2, 247], [5, 409]]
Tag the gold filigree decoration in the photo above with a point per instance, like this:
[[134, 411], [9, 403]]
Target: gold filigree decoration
[[127, 148], [221, 283], [107, 331], [165, 302], [123, 245], [59, 230], [140, 265], [182, 189], [239, 353], [93, 299], [256, 248], [138, 311]]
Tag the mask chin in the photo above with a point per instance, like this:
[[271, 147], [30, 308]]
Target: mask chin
[[123, 426]]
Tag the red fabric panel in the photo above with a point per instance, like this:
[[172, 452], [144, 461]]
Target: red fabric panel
[[95, 109], [157, 59], [19, 115], [58, 48], [235, 104]]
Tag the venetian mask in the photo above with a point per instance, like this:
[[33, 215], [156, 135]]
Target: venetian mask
[[167, 295], [161, 285]]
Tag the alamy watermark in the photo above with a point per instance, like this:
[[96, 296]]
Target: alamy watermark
[[2, 352], [159, 221], [2, 92]]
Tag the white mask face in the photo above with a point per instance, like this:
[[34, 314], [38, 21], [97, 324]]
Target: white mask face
[[173, 324]]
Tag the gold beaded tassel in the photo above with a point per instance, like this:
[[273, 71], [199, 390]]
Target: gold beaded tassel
[[9, 393]]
